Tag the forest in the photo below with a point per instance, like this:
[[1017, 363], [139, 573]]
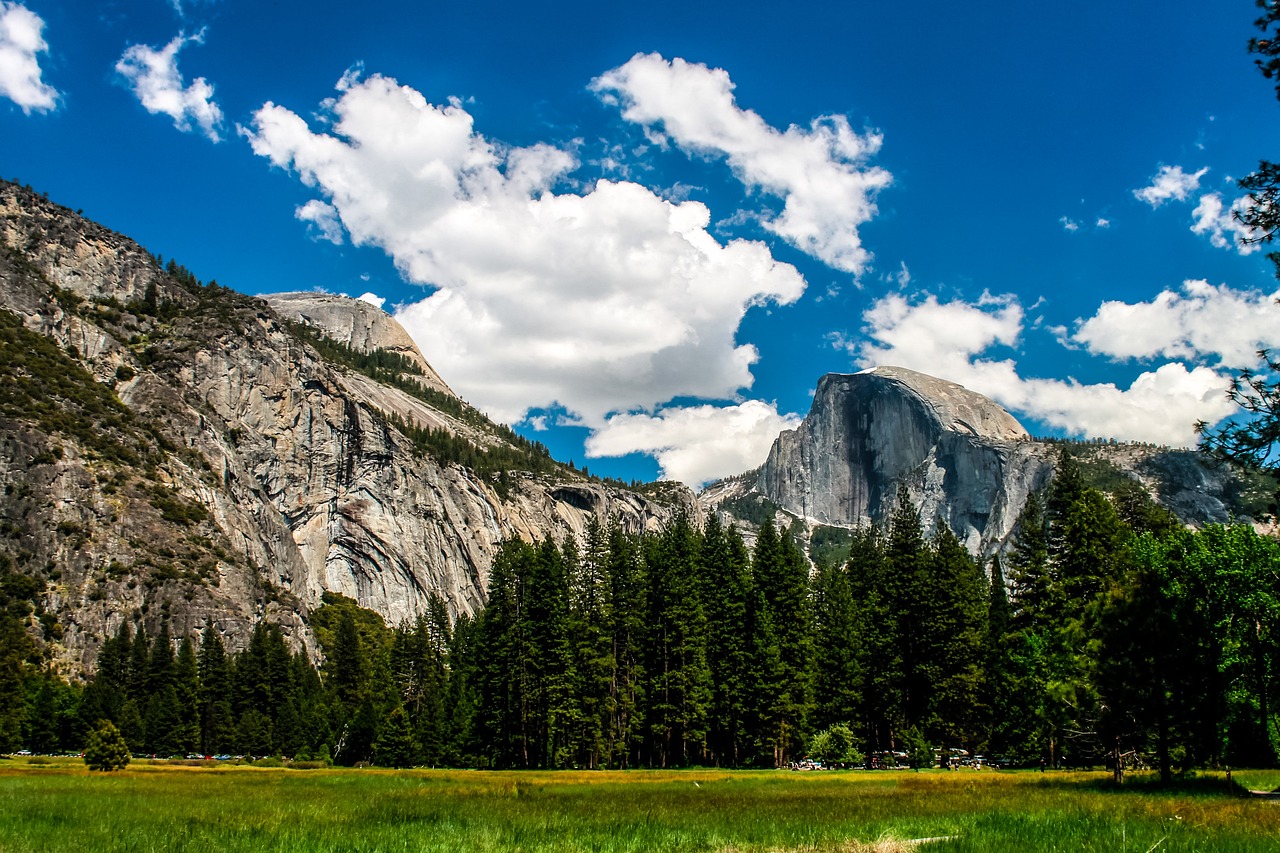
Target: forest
[[1107, 631]]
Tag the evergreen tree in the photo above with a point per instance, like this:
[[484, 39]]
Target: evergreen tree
[[726, 591], [186, 684], [881, 705], [1029, 568], [840, 679], [592, 650], [782, 575], [679, 690], [396, 746], [907, 595], [956, 637], [106, 749], [628, 611], [159, 667], [214, 703]]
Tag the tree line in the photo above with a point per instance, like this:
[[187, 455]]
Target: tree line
[[1106, 632]]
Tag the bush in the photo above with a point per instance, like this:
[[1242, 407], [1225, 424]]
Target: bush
[[835, 746], [107, 750]]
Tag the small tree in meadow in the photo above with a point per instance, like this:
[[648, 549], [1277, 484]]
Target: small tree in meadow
[[106, 749]]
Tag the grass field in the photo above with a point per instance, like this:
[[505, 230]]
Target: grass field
[[61, 807]]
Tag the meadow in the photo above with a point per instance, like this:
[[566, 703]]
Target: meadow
[[59, 806]]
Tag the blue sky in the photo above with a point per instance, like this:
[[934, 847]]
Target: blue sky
[[641, 234]]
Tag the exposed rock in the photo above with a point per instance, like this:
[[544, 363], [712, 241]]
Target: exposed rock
[[359, 325], [264, 475], [963, 458]]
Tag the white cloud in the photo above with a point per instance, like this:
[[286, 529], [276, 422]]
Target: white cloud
[[1102, 223], [948, 340], [1170, 183], [21, 41], [153, 74], [373, 299], [1069, 224], [324, 217], [606, 301], [819, 172], [1218, 221], [695, 444], [1203, 321]]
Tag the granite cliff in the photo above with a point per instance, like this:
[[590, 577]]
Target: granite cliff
[[964, 460], [178, 452]]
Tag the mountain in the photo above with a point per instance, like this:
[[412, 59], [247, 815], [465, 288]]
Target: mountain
[[178, 452], [964, 460]]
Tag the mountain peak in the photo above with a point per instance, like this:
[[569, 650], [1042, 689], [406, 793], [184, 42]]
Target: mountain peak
[[957, 407]]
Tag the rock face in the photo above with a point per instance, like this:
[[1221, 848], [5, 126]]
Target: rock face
[[359, 325], [962, 457], [233, 473]]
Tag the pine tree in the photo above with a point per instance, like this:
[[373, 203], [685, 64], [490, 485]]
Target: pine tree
[[395, 746], [907, 591], [186, 683], [726, 592], [592, 650], [1029, 568], [876, 625], [106, 749], [781, 573], [956, 636], [679, 691], [839, 681], [625, 578], [215, 714]]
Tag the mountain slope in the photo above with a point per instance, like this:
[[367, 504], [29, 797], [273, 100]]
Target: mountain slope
[[963, 458], [185, 453]]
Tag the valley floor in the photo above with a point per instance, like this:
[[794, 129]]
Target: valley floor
[[59, 805]]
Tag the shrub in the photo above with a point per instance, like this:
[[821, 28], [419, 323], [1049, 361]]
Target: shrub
[[107, 750]]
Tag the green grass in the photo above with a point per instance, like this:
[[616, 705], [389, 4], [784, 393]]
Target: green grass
[[157, 808]]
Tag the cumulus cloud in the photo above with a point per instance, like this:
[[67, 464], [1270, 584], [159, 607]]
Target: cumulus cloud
[[325, 219], [1201, 321], [373, 299], [154, 77], [21, 42], [695, 444], [819, 172], [607, 300], [1170, 183], [1069, 224], [1214, 218], [950, 339]]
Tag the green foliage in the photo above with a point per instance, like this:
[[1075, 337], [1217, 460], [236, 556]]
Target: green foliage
[[106, 749], [836, 746], [830, 546], [43, 386], [753, 508]]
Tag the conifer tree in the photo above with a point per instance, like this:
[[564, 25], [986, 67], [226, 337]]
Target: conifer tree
[[876, 626], [395, 746], [840, 679], [907, 591], [957, 633], [781, 574], [106, 749], [593, 664], [214, 701], [679, 691], [726, 592], [626, 580], [186, 685]]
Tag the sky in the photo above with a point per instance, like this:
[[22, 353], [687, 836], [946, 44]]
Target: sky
[[640, 234]]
